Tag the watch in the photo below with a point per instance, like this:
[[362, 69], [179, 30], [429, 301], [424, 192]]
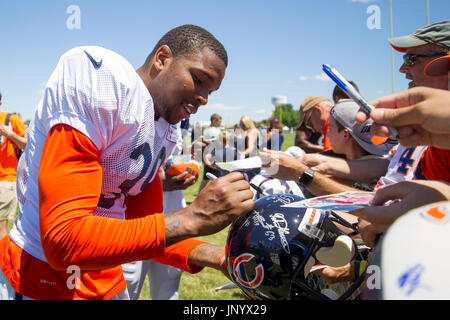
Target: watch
[[306, 177]]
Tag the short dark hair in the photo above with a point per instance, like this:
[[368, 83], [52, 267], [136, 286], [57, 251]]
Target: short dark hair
[[0, 96], [275, 123], [338, 93], [188, 39]]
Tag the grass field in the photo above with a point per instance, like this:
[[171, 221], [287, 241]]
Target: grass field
[[201, 286]]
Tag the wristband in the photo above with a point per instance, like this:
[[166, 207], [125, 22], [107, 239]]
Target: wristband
[[306, 177]]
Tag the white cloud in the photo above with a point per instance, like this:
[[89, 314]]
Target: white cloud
[[322, 77], [363, 1], [261, 111], [319, 77]]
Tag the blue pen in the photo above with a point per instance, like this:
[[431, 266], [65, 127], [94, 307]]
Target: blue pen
[[351, 91]]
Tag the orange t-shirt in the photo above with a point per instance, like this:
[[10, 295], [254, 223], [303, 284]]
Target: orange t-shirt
[[436, 164], [8, 158], [70, 181], [326, 141]]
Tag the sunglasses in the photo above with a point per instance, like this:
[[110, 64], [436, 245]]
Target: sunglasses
[[411, 58]]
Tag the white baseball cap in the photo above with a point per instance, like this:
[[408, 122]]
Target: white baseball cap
[[413, 257]]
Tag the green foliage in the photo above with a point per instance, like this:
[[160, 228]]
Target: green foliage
[[288, 116]]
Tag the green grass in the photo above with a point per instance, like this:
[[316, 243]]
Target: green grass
[[201, 286]]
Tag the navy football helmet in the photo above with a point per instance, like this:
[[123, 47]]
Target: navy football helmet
[[271, 250]]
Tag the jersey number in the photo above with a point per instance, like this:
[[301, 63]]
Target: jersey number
[[145, 151], [406, 161]]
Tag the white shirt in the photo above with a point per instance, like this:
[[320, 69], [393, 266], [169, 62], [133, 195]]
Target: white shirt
[[403, 164], [211, 133], [99, 93]]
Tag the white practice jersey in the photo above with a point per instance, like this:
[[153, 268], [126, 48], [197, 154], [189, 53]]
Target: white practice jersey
[[99, 93], [404, 165]]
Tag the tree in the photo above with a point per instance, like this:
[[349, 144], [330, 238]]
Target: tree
[[289, 116]]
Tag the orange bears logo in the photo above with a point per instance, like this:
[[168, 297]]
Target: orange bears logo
[[259, 277]]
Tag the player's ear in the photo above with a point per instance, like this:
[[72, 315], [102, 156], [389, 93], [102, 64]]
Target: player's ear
[[347, 134], [163, 57]]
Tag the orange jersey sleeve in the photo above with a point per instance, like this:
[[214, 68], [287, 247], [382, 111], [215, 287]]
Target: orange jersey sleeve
[[147, 202], [70, 178]]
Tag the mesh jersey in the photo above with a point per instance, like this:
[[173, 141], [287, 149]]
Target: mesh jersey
[[404, 165], [99, 93]]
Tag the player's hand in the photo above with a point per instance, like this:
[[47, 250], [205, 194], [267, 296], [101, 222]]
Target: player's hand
[[209, 255], [281, 165], [177, 182], [220, 203]]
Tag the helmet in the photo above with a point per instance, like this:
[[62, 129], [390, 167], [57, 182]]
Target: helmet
[[271, 250]]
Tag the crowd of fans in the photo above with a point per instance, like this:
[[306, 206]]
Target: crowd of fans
[[343, 149]]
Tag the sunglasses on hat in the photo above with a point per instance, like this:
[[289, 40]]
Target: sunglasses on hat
[[411, 58]]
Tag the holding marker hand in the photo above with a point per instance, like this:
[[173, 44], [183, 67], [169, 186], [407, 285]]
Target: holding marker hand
[[353, 94], [420, 114]]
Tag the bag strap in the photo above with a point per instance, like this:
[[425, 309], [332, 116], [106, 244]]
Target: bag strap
[[17, 150], [8, 116]]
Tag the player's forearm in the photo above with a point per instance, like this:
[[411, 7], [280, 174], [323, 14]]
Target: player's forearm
[[95, 243], [207, 255], [177, 227]]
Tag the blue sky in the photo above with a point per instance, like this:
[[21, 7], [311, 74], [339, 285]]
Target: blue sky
[[275, 47]]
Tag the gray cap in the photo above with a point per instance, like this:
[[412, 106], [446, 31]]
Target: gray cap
[[344, 112], [438, 33]]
